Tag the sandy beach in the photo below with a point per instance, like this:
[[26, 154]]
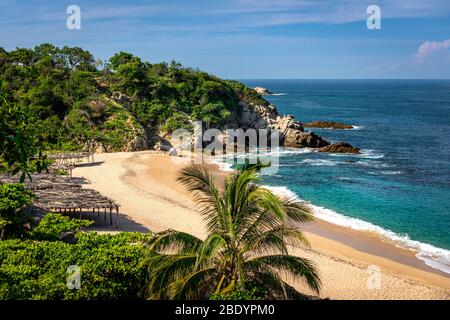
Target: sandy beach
[[144, 184]]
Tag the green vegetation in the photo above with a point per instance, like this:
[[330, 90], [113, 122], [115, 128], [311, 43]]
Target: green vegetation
[[75, 103], [112, 267], [246, 249], [34, 263], [14, 221], [53, 225], [56, 98], [20, 141], [244, 256]]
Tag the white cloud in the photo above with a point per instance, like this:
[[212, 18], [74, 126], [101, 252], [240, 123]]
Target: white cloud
[[433, 52]]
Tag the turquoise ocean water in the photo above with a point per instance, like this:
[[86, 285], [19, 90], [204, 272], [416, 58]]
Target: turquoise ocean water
[[400, 185]]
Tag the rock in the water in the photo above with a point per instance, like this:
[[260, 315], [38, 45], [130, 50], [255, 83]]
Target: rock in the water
[[298, 139], [340, 147], [290, 130], [261, 90], [327, 125]]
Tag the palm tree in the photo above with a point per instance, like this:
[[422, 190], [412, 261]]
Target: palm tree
[[249, 229]]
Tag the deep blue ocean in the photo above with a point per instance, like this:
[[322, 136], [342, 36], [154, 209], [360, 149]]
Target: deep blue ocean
[[400, 184]]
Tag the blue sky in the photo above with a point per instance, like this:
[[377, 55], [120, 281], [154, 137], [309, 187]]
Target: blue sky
[[249, 38]]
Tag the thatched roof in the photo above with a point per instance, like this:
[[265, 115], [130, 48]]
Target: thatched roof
[[77, 198], [70, 155], [44, 181], [64, 194]]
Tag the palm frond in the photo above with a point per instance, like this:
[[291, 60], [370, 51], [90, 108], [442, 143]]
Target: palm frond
[[245, 223], [294, 266], [297, 211], [172, 241], [277, 288], [210, 248], [275, 240], [201, 184], [198, 285], [164, 270]]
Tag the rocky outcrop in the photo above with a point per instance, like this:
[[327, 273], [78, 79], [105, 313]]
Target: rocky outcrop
[[120, 98], [340, 147], [265, 116], [291, 131], [327, 125], [261, 90], [158, 142], [120, 129], [297, 139]]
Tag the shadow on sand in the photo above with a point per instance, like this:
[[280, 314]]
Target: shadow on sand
[[102, 223]]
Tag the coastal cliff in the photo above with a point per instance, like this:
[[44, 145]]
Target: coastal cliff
[[261, 116], [250, 116], [129, 105]]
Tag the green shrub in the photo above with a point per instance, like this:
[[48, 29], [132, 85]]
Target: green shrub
[[14, 198], [112, 267], [177, 121], [53, 225]]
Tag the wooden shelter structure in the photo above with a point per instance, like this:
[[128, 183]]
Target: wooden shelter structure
[[65, 168], [71, 158], [77, 201], [64, 194], [43, 181]]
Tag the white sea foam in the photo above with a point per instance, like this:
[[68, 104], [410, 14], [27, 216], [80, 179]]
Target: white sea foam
[[319, 162], [223, 166], [370, 154], [365, 153], [283, 192], [275, 152], [374, 164], [275, 94], [288, 151], [432, 256], [392, 172]]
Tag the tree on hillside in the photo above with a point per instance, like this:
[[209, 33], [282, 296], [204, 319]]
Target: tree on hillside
[[77, 58], [119, 59], [19, 142]]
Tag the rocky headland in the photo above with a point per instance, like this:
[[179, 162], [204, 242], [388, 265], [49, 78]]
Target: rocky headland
[[251, 116]]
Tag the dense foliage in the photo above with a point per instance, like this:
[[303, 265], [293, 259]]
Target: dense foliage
[[20, 141], [14, 221], [76, 102], [53, 225], [34, 262], [112, 267]]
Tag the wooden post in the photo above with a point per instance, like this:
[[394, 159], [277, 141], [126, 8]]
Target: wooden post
[[110, 216], [117, 217]]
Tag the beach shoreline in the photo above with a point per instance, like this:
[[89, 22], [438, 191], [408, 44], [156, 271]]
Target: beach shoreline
[[151, 199]]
